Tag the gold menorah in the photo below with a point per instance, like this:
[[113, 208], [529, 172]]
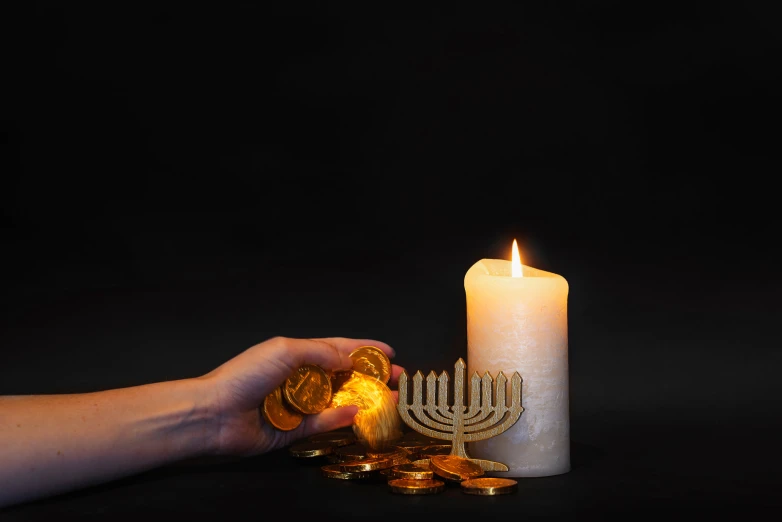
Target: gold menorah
[[483, 418]]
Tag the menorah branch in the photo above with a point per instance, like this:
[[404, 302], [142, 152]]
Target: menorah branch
[[483, 419]]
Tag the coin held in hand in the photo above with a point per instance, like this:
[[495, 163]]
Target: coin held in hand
[[278, 414], [308, 390], [372, 361], [338, 378]]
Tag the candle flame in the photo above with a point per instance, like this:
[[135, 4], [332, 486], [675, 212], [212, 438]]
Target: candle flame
[[515, 264]]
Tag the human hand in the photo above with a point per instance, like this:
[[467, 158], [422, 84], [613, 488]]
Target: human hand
[[238, 387]]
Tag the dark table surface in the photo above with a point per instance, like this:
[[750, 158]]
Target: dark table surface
[[187, 182], [682, 469], [672, 465]]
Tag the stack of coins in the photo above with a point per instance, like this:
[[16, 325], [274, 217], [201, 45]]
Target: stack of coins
[[311, 389], [306, 392], [349, 458]]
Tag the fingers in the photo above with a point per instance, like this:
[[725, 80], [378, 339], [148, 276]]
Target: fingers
[[348, 345], [311, 351], [326, 353], [330, 353], [396, 371], [257, 371]]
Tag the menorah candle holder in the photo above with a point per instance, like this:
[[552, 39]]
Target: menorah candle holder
[[487, 414]]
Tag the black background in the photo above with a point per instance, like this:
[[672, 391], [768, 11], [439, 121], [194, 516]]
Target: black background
[[184, 181]]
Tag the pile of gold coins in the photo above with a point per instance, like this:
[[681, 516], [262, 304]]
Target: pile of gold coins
[[414, 465]]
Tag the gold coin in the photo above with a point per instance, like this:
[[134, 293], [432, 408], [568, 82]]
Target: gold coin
[[392, 452], [278, 414], [372, 361], [371, 464], [454, 468], [410, 471], [337, 438], [400, 456], [434, 449], [308, 390], [311, 449], [350, 453], [339, 378], [489, 486], [422, 463], [334, 471], [416, 486], [413, 446]]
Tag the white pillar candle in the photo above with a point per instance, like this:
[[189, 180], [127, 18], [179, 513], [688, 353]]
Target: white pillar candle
[[519, 324]]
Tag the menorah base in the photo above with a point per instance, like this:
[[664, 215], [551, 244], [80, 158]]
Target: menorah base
[[490, 465]]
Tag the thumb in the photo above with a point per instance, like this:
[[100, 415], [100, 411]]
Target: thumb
[[327, 420], [297, 352]]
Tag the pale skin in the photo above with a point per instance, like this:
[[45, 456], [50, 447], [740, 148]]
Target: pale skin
[[52, 444]]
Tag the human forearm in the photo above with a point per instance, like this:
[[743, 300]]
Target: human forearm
[[55, 443]]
